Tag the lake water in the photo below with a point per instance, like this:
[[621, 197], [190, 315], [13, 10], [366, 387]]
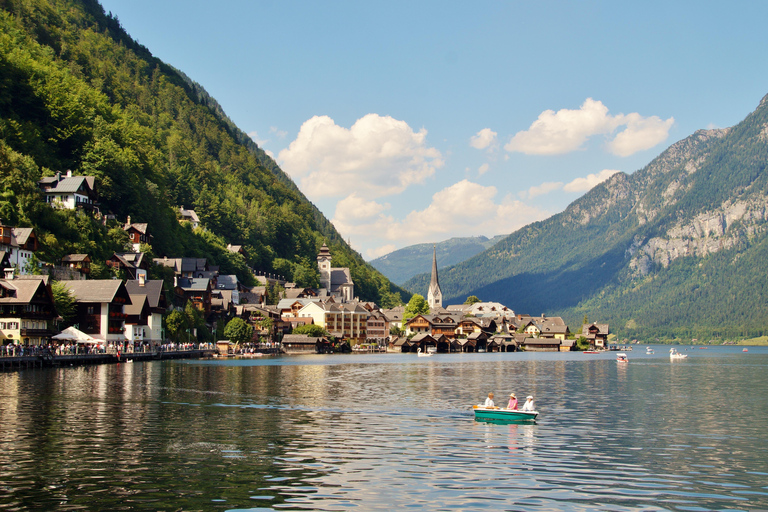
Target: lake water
[[390, 432]]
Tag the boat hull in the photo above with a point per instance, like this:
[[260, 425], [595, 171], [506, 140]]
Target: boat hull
[[481, 413]]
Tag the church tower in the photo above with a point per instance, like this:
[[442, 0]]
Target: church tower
[[324, 265], [434, 295]]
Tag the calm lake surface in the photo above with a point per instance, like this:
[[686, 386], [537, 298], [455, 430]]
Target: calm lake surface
[[390, 432]]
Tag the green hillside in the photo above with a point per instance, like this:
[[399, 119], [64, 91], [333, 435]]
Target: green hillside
[[76, 92], [674, 250], [401, 265]]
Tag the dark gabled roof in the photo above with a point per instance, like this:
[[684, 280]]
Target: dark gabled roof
[[541, 341], [227, 282], [96, 290], [22, 290], [138, 304], [74, 258], [422, 336], [69, 184], [194, 283], [601, 329], [153, 289], [141, 227], [300, 339], [339, 277], [22, 234]]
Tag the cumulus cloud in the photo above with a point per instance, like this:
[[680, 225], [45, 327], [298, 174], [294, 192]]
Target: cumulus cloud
[[463, 209], [484, 139], [377, 156], [641, 133], [585, 184], [567, 130]]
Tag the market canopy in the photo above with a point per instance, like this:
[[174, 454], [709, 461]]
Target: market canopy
[[72, 334]]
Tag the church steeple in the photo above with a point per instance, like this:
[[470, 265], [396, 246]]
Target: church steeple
[[434, 295]]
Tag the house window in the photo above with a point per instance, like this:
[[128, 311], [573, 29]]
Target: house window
[[90, 310]]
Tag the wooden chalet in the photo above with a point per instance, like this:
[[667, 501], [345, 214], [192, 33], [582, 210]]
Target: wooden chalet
[[596, 334]]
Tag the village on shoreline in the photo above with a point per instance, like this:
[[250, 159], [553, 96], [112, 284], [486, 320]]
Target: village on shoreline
[[119, 318]]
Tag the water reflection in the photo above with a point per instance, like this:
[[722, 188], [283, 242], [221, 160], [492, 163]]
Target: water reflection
[[387, 432]]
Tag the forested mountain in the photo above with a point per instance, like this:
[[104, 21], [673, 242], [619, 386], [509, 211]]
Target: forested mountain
[[403, 264], [76, 92], [676, 249]]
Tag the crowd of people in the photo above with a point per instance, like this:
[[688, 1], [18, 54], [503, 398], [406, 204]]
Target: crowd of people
[[73, 348]]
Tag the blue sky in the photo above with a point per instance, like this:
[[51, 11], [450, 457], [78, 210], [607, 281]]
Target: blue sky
[[415, 122]]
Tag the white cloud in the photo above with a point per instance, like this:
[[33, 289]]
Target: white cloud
[[377, 156], [588, 183], [483, 169], [567, 130], [640, 134], [485, 138], [463, 209]]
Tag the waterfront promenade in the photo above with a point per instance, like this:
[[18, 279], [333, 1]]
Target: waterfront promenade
[[47, 358]]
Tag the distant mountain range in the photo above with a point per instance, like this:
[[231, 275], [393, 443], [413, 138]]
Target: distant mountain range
[[678, 249], [401, 265]]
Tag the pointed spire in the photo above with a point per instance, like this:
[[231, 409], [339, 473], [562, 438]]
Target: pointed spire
[[434, 295]]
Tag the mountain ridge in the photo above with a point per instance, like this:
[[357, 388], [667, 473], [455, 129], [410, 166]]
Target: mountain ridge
[[702, 201], [403, 264]]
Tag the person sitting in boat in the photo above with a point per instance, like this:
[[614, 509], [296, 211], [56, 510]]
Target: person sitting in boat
[[489, 401], [512, 402], [528, 405]]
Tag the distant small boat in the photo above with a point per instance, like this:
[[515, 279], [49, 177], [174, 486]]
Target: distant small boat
[[648, 350], [487, 413], [431, 350], [590, 352], [674, 354], [744, 350], [622, 358], [422, 354]]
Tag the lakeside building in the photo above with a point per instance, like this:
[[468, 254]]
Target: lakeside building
[[144, 322], [100, 307], [27, 310]]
